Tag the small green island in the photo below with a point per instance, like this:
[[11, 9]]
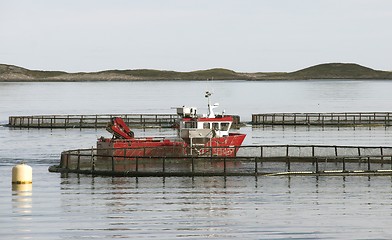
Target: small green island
[[10, 73]]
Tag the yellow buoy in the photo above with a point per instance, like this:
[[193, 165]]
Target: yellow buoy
[[22, 174]]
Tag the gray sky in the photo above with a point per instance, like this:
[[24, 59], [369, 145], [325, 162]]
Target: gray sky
[[186, 35]]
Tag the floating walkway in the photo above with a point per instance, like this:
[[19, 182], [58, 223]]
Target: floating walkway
[[91, 121], [269, 160], [168, 120], [97, 121], [324, 119]]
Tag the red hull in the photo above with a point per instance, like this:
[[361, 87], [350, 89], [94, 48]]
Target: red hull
[[138, 147], [222, 146]]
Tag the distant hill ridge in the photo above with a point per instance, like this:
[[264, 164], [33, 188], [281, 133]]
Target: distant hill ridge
[[321, 71], [341, 70]]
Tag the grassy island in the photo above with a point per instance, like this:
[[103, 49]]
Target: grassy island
[[10, 73]]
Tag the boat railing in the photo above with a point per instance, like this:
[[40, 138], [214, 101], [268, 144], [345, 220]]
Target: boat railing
[[248, 160]]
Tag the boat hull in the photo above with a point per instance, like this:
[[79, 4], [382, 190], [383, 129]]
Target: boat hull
[[151, 147], [227, 146]]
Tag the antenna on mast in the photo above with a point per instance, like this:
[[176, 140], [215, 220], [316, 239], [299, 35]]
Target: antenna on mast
[[211, 113]]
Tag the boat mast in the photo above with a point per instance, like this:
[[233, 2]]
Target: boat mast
[[210, 108]]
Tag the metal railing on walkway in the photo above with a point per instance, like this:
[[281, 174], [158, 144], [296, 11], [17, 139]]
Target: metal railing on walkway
[[322, 119], [249, 160], [98, 120], [91, 121]]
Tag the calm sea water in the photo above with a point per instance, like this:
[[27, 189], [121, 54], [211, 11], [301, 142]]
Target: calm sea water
[[77, 206]]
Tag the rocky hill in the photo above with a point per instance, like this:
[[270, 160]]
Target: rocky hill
[[322, 71]]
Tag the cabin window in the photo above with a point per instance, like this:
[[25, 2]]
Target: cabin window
[[190, 124], [215, 126], [206, 125], [225, 126]]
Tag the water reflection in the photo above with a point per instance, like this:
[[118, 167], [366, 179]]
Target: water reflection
[[22, 208], [201, 207], [22, 198]]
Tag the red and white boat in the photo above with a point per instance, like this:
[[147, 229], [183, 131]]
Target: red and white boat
[[197, 135]]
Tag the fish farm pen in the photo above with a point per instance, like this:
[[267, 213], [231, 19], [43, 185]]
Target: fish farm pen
[[168, 120], [91, 121], [269, 160], [97, 120], [324, 119]]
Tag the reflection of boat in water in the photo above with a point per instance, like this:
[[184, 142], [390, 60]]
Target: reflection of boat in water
[[197, 135]]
